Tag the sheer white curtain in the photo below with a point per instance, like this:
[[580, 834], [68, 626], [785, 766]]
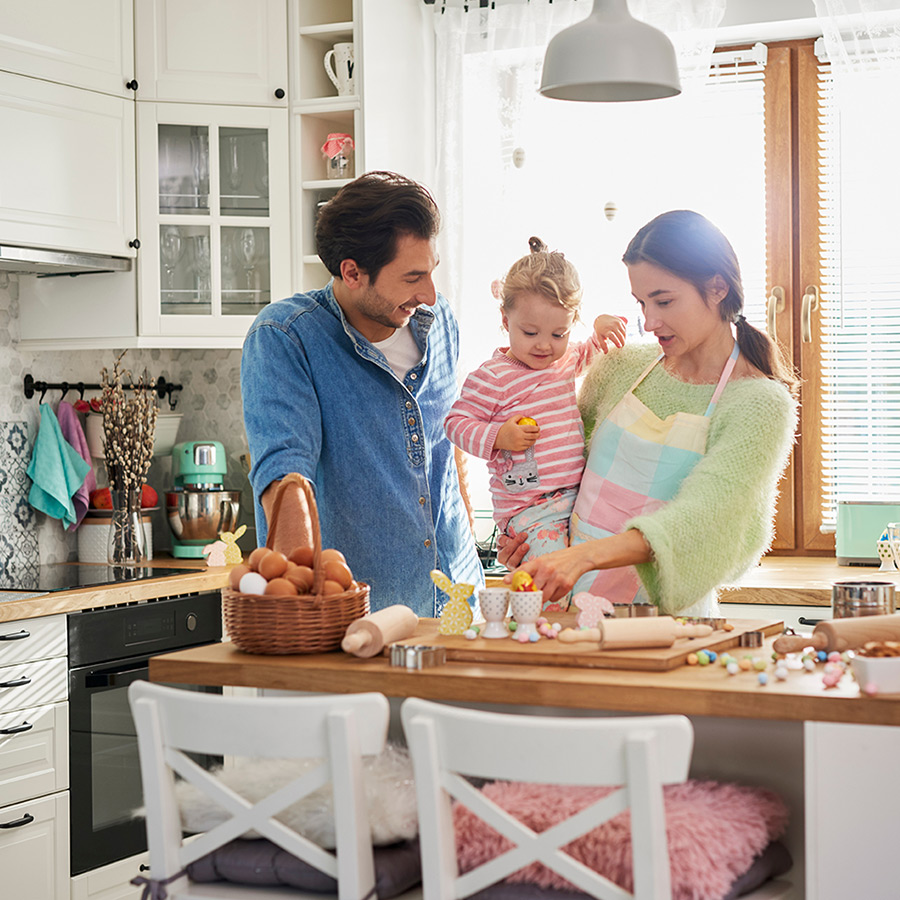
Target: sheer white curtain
[[859, 34]]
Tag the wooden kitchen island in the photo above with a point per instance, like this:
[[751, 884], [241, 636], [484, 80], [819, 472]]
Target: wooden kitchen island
[[831, 753]]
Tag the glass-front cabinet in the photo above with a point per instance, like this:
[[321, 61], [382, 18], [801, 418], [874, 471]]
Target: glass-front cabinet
[[214, 217]]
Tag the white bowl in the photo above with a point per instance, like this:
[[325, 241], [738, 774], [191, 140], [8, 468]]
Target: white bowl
[[166, 432], [880, 672]]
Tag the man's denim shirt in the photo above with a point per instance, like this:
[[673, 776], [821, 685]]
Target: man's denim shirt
[[321, 400]]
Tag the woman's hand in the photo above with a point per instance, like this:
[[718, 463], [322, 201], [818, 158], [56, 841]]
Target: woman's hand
[[556, 573], [511, 549]]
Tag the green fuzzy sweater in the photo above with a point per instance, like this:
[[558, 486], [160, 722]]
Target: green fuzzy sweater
[[720, 521]]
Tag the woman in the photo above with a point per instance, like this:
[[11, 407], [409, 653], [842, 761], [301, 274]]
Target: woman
[[687, 440]]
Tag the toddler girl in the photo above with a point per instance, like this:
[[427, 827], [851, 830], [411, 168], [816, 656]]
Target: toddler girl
[[518, 409]]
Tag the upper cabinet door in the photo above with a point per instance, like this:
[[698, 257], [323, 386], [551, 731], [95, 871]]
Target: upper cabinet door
[[67, 176], [212, 51], [86, 44]]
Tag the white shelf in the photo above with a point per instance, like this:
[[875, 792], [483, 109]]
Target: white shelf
[[329, 30], [324, 184], [326, 105]]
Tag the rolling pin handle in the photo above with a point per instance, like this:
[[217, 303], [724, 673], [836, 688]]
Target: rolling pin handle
[[356, 641], [793, 643], [580, 636]]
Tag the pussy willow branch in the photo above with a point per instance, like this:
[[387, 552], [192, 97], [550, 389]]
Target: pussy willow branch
[[128, 427]]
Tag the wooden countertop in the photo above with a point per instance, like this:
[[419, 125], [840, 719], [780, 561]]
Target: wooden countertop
[[791, 580], [690, 690], [197, 576]]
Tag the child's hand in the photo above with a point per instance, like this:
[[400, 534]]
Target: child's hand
[[516, 437], [610, 328]]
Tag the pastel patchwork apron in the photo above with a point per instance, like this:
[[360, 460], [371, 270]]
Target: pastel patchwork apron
[[636, 463]]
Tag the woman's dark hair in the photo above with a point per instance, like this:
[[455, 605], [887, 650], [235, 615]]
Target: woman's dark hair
[[364, 220], [689, 246]]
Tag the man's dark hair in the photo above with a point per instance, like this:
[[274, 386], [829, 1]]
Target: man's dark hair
[[364, 220]]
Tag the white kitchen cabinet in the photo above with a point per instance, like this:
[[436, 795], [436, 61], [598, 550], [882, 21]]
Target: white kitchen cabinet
[[112, 882], [394, 91], [66, 167], [88, 44], [212, 51], [34, 759], [214, 218]]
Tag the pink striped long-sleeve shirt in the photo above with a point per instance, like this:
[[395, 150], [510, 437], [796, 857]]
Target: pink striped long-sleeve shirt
[[504, 387]]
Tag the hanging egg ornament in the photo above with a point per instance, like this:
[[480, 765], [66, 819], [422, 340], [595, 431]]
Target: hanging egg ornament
[[610, 210]]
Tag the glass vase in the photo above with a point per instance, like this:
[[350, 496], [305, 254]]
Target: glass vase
[[126, 531]]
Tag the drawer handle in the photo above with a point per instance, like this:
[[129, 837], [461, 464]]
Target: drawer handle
[[25, 820], [15, 636], [17, 729], [17, 683]]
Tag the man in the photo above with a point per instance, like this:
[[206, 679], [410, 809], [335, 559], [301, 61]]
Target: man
[[349, 386]]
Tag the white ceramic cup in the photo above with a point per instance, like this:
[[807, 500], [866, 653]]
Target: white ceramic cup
[[494, 602], [526, 609], [340, 66]]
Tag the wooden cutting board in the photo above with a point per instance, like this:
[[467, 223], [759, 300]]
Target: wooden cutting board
[[552, 653]]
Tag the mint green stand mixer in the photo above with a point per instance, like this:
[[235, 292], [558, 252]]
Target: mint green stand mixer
[[199, 509]]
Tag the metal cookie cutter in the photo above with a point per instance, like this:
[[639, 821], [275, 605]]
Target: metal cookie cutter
[[417, 656], [751, 639]]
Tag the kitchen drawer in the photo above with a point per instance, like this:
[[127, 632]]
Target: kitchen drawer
[[33, 684], [112, 882], [34, 856], [34, 762], [32, 639]]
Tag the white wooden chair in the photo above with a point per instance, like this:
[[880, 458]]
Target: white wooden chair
[[339, 729], [640, 753]]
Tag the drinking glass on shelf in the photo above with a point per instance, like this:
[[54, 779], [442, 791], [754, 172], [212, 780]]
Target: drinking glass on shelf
[[233, 164], [202, 267], [248, 254], [200, 167], [171, 249]]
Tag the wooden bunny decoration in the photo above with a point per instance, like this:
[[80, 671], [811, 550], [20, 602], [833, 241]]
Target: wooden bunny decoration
[[456, 617], [225, 551]]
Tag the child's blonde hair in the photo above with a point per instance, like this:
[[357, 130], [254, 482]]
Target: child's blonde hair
[[543, 272]]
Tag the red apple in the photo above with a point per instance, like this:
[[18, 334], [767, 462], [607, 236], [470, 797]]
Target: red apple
[[101, 499]]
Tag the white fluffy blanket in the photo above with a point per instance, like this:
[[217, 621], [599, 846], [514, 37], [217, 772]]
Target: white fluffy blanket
[[390, 797]]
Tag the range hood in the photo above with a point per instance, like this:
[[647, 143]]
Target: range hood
[[33, 261]]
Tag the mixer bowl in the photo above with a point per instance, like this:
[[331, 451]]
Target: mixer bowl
[[199, 516]]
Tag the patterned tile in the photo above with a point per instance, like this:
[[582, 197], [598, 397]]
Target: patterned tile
[[18, 531]]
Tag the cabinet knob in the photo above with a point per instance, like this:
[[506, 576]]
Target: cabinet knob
[[135, 244], [279, 93], [132, 85]]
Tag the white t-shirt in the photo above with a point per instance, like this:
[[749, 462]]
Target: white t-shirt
[[401, 351]]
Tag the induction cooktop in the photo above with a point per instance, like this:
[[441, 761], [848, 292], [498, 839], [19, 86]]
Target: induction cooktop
[[68, 576]]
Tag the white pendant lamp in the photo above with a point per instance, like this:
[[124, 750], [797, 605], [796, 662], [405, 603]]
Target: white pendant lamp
[[610, 56]]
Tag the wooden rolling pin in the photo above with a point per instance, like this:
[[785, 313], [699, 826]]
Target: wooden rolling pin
[[842, 634], [369, 635], [624, 634]]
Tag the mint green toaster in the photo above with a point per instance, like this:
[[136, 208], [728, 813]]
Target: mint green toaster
[[860, 523]]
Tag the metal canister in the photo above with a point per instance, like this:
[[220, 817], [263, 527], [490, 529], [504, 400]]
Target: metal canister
[[862, 598]]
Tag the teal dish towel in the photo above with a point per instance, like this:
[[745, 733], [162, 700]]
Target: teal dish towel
[[56, 470]]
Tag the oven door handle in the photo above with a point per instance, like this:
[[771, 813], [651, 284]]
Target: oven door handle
[[109, 677], [25, 820], [18, 682], [16, 636], [17, 729]]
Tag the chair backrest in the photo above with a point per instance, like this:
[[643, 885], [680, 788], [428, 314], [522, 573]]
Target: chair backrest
[[337, 729], [640, 754]]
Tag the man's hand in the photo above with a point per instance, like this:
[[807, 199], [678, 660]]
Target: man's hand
[[610, 329], [512, 436]]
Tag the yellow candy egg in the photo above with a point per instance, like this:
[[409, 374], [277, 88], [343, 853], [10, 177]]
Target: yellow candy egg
[[522, 581], [526, 420]]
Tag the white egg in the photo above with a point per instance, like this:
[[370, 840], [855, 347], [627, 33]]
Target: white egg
[[253, 583]]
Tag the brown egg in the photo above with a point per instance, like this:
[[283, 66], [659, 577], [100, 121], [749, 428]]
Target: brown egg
[[338, 571], [301, 577], [257, 556], [236, 574], [274, 565], [331, 553], [280, 586], [303, 556], [332, 587]]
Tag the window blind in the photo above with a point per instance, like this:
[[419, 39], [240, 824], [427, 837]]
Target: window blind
[[859, 304]]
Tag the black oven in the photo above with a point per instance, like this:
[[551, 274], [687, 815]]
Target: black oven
[[108, 649]]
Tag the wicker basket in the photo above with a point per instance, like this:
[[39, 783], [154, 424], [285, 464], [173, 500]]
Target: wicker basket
[[309, 623]]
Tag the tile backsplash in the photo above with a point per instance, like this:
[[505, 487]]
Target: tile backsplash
[[210, 401]]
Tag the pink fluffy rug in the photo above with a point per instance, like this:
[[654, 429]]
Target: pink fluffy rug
[[714, 831]]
